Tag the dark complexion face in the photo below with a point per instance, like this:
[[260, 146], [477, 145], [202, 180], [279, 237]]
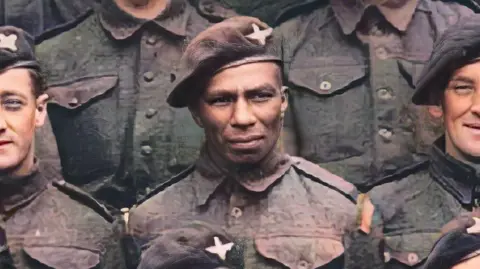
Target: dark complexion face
[[241, 111], [20, 114], [460, 110]]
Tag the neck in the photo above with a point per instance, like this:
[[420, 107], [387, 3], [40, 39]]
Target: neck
[[143, 9], [246, 172]]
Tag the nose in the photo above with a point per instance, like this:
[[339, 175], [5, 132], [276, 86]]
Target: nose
[[243, 116], [475, 108], [3, 123]]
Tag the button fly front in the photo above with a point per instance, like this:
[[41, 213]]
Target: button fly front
[[236, 212]]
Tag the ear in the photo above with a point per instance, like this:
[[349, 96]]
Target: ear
[[41, 111], [195, 116], [284, 92], [435, 111]]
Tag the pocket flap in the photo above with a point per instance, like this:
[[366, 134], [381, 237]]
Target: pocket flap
[[299, 251], [73, 94], [409, 249], [61, 257], [326, 75]]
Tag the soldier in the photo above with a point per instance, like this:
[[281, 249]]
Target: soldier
[[412, 207], [39, 16], [281, 210], [355, 65], [108, 79], [45, 222]]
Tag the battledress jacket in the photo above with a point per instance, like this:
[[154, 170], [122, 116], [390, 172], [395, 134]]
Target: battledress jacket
[[47, 223], [295, 217], [412, 208]]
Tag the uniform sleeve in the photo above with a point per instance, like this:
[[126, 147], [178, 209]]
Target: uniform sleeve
[[364, 241]]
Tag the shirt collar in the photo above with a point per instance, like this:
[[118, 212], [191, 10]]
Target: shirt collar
[[458, 178], [121, 25], [350, 12], [212, 174], [16, 191]]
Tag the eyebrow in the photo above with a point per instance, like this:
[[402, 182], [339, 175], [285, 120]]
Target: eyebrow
[[462, 79], [261, 87], [7, 93]]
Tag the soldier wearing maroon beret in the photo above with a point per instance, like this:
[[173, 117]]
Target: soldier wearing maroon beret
[[280, 210]]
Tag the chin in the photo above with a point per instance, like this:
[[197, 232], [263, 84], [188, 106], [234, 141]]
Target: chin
[[8, 163], [241, 159]]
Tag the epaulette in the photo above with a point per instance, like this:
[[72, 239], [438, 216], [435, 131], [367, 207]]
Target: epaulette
[[83, 197], [324, 177], [167, 184], [50, 33], [398, 174]]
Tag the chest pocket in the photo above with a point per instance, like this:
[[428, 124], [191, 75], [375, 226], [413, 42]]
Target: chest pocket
[[409, 249], [321, 89], [299, 251], [83, 114], [60, 258]]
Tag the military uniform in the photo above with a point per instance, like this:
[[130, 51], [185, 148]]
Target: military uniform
[[414, 207], [351, 71], [273, 211], [108, 80], [39, 16]]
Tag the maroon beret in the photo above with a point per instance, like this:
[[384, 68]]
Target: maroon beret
[[233, 42]]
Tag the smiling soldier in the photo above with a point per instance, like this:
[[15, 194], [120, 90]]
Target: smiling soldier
[[284, 210], [44, 222], [420, 202]]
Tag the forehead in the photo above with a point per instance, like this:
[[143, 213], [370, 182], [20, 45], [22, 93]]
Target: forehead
[[16, 80], [247, 76], [470, 71]]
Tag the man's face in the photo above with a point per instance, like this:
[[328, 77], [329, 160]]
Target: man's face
[[461, 113], [242, 110], [19, 117]]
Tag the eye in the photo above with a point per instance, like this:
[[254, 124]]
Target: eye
[[463, 89], [261, 96], [12, 104], [220, 101]]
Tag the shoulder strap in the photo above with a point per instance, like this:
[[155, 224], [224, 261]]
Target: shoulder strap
[[84, 198]]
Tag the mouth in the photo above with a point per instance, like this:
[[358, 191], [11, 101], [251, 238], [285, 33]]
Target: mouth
[[4, 143], [247, 142], [474, 126]]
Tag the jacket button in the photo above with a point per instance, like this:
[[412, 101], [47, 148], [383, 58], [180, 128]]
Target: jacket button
[[387, 257], [325, 86], [73, 102], [148, 76], [385, 134], [384, 93], [208, 6], [151, 40], [150, 113], [236, 212], [303, 265], [146, 150], [412, 258], [381, 53]]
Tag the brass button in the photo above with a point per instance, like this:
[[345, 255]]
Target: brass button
[[151, 40], [150, 113], [381, 53], [146, 150], [172, 162], [148, 76], [208, 6], [412, 258], [236, 212], [385, 134], [384, 93], [376, 31], [325, 85]]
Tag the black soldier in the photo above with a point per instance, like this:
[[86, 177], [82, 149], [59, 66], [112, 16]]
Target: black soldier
[[284, 211], [414, 206], [108, 79], [45, 222], [39, 16], [351, 69]]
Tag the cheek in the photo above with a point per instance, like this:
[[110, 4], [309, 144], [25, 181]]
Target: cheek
[[455, 108], [214, 120], [22, 124]]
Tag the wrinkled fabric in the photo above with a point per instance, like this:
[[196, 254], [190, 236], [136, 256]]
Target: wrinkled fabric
[[39, 16], [117, 137], [350, 94], [288, 224], [414, 208], [46, 228]]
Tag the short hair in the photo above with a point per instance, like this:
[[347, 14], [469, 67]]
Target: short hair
[[38, 81], [177, 256]]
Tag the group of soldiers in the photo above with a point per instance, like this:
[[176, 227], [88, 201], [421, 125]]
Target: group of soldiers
[[191, 134]]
